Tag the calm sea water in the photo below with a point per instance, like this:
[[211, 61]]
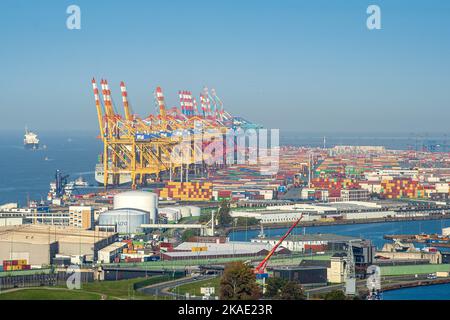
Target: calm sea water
[[26, 173], [371, 231], [434, 292], [438, 142]]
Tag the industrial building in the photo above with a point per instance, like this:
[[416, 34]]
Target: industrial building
[[81, 217], [231, 249], [310, 242], [390, 251], [363, 256], [336, 271], [354, 195], [107, 254], [39, 244], [312, 212], [308, 276]]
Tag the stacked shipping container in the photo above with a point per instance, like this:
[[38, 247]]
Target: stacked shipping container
[[15, 265], [334, 185], [187, 191], [402, 188]]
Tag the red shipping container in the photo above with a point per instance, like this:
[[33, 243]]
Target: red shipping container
[[315, 247]]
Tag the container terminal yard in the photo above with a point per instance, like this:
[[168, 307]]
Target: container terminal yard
[[165, 216]]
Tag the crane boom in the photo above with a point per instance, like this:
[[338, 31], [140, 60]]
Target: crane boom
[[262, 265], [126, 106], [98, 107], [162, 107]]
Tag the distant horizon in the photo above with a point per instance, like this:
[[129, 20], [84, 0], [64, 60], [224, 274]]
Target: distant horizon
[[293, 131], [306, 64]]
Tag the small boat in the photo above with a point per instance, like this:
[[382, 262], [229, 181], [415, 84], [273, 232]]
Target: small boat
[[80, 182], [30, 140], [261, 234]]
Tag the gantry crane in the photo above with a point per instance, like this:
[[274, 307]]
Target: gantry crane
[[145, 148]]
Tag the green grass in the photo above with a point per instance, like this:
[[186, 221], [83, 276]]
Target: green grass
[[24, 272], [413, 269], [296, 259], [188, 220], [49, 294], [157, 279], [120, 289], [193, 288], [123, 289]]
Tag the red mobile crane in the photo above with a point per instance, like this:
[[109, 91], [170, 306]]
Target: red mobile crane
[[261, 267]]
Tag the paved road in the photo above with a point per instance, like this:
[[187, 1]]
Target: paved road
[[163, 289]]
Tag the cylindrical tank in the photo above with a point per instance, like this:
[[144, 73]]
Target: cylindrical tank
[[195, 211], [170, 213], [126, 220], [141, 200], [185, 211]]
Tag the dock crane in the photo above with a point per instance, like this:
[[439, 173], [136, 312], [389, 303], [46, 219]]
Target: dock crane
[[143, 147], [261, 267]]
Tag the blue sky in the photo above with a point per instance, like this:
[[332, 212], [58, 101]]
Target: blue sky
[[296, 65]]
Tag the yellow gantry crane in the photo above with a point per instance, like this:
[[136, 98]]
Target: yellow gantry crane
[[145, 148]]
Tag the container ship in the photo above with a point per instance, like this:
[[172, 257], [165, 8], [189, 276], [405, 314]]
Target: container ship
[[124, 178], [30, 140]]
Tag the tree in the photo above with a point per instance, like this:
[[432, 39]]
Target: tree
[[274, 286], [279, 288], [204, 217], [292, 291], [189, 233], [244, 221], [223, 217], [239, 283], [335, 295]]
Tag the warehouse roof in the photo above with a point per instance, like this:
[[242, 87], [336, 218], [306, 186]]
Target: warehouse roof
[[297, 268], [354, 205], [315, 263], [236, 246], [23, 238], [224, 252], [47, 234], [114, 246]]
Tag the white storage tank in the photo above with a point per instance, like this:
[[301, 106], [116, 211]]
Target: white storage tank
[[185, 212], [140, 200], [195, 211], [127, 221], [172, 214]]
